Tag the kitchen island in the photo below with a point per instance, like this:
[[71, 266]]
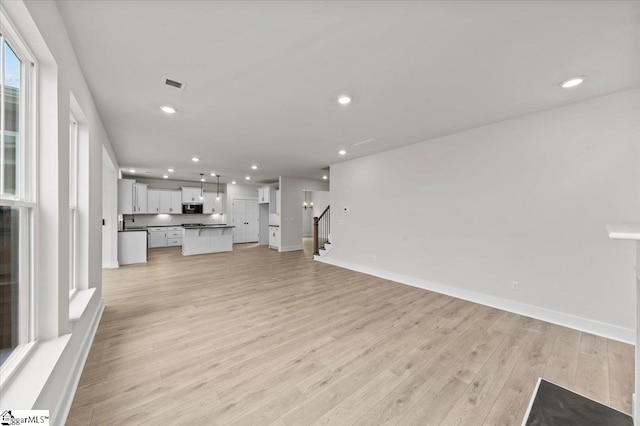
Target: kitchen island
[[201, 239]]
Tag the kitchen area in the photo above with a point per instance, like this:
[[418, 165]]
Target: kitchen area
[[162, 214]]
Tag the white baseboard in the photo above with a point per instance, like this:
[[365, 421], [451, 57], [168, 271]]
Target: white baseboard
[[69, 393], [110, 265], [609, 331], [290, 248]]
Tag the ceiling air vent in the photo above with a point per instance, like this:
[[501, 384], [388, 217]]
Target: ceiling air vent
[[173, 83], [172, 86]]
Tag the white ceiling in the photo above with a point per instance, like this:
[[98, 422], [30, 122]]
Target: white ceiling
[[262, 78]]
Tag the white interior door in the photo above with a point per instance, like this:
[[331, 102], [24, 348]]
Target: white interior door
[[245, 220], [253, 220]]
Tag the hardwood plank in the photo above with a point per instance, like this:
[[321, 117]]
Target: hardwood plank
[[261, 337], [592, 378]]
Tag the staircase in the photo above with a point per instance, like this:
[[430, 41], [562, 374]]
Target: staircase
[[321, 233], [325, 249]]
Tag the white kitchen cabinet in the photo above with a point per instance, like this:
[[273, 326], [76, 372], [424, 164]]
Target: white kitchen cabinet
[[170, 202], [264, 195], [126, 195], [132, 197], [141, 190], [211, 205], [153, 201], [132, 247], [175, 202], [157, 237], [191, 195], [167, 236], [274, 237]]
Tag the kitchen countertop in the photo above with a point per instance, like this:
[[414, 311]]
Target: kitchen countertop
[[145, 228], [134, 230], [274, 226], [208, 226]]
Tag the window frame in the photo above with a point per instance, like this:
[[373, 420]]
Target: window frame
[[74, 139], [25, 197]]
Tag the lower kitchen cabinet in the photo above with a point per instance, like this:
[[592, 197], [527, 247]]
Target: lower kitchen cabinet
[[168, 236], [274, 237]]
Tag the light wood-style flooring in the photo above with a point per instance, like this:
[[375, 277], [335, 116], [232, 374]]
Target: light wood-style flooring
[[257, 337]]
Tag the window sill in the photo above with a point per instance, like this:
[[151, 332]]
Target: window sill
[[24, 388], [79, 302]]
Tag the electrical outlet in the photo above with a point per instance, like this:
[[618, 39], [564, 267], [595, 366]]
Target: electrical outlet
[[515, 285]]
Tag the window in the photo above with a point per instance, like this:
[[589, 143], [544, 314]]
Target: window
[[73, 204], [17, 197]]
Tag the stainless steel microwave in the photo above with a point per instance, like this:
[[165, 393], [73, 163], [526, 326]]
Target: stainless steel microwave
[[192, 209]]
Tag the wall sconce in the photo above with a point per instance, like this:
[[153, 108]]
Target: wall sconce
[[304, 205]]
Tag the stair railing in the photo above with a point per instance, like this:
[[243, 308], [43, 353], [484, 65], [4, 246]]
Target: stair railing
[[321, 230]]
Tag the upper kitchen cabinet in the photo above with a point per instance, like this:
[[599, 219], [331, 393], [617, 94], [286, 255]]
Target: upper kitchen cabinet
[[141, 190], [153, 201], [175, 202], [164, 201], [211, 205], [132, 197], [125, 196], [264, 195], [191, 195]]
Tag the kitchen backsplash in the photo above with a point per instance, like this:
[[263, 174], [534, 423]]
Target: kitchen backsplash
[[171, 219]]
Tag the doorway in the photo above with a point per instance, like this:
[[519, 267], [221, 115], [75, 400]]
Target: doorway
[[245, 220]]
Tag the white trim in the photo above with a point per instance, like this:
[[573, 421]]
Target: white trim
[[23, 390], [533, 397], [609, 331], [15, 360], [59, 416], [290, 248], [110, 265], [78, 303]]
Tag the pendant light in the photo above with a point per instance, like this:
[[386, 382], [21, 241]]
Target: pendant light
[[201, 188], [218, 188]]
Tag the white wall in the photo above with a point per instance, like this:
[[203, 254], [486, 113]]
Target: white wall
[[240, 192], [109, 213], [522, 200], [60, 80], [320, 201], [291, 198], [317, 202]]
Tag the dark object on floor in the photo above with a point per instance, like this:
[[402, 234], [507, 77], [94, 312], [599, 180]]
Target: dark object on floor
[[556, 406]]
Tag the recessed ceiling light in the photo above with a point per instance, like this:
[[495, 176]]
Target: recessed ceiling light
[[254, 167], [247, 177], [213, 174], [132, 171], [573, 82], [170, 170], [233, 182], [342, 152], [168, 109], [325, 177], [195, 159], [344, 99], [165, 176]]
